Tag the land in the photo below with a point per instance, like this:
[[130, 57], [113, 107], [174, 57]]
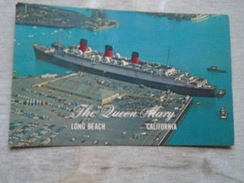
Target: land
[[84, 109], [180, 17], [43, 15]]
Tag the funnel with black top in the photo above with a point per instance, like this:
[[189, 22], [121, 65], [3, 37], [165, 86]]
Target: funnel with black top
[[108, 51], [135, 57], [83, 45]]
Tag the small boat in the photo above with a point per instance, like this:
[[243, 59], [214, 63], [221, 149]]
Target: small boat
[[223, 113], [198, 103], [215, 69], [221, 93]]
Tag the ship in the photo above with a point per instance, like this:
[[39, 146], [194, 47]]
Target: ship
[[221, 93], [214, 68], [223, 113], [80, 57]]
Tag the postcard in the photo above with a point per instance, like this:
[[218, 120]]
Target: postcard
[[97, 77]]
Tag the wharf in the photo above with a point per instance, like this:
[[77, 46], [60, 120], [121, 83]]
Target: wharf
[[181, 16], [46, 113]]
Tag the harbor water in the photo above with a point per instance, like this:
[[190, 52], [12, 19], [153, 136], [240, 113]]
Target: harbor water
[[190, 46]]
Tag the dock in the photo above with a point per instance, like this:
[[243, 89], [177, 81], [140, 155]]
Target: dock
[[85, 109]]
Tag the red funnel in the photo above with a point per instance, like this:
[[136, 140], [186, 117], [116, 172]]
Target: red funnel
[[83, 45], [135, 57], [108, 51]]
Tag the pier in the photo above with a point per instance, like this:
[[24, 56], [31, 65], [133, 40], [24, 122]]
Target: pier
[[54, 116]]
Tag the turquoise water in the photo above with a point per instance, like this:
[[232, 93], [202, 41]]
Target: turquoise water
[[193, 46]]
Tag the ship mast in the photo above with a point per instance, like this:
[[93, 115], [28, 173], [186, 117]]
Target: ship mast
[[59, 40]]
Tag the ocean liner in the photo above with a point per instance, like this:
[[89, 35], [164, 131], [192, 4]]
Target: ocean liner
[[82, 58]]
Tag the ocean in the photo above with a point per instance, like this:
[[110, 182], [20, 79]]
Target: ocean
[[190, 46]]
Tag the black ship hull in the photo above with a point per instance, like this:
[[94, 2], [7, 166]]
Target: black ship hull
[[63, 61], [216, 70]]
